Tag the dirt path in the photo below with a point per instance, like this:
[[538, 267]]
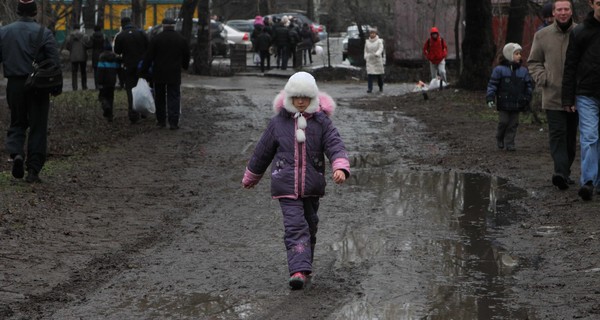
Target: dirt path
[[158, 226]]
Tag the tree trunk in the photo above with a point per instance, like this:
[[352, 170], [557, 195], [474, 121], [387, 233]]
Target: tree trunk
[[516, 19], [310, 10], [101, 7], [478, 46], [202, 53], [187, 14], [138, 8], [75, 13], [89, 14], [457, 33]]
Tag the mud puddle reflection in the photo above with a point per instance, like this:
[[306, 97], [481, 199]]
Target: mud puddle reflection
[[430, 248]]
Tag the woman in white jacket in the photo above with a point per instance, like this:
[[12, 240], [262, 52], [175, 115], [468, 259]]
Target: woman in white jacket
[[374, 59]]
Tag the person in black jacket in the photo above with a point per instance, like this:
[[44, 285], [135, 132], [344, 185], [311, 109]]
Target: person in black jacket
[[283, 41], [581, 92], [108, 69], [131, 44], [263, 44], [99, 42], [28, 107], [169, 52]]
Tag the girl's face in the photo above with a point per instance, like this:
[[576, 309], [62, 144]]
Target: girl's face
[[372, 34], [301, 103], [517, 56]]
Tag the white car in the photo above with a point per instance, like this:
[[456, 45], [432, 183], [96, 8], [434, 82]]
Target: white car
[[234, 36]]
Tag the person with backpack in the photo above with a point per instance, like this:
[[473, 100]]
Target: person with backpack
[[436, 50]]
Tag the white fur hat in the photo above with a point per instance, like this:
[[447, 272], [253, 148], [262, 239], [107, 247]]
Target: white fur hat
[[301, 84], [509, 49]]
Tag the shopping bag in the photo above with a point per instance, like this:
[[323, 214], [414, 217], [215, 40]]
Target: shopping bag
[[143, 101]]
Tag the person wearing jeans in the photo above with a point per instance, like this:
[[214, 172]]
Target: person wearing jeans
[[580, 91]]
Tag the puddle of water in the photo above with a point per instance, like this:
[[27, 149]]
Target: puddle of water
[[431, 247], [192, 305]]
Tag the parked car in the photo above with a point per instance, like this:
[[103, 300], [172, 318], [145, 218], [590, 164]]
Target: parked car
[[219, 42], [235, 36], [242, 25], [352, 33], [315, 27]]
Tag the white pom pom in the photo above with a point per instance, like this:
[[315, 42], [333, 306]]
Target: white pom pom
[[302, 122], [300, 137]]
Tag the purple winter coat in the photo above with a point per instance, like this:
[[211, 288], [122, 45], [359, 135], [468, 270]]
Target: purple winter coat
[[298, 169]]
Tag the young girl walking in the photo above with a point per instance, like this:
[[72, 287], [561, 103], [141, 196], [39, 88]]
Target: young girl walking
[[295, 144], [511, 86]]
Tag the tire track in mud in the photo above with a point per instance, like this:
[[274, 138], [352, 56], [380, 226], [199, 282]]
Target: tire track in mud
[[92, 220]]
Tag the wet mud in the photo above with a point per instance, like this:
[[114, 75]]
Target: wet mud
[[434, 223]]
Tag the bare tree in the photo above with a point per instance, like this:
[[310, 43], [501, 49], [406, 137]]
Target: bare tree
[[187, 14], [89, 13], [138, 7], [457, 33], [101, 7], [202, 52], [516, 19], [75, 13], [477, 47]]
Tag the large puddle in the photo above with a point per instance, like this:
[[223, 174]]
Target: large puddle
[[431, 247]]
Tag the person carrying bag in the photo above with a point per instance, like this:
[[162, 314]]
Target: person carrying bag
[[46, 75], [27, 135]]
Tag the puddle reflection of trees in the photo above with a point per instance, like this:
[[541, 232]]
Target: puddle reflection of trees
[[450, 216]]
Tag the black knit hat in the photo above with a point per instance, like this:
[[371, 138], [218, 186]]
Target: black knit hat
[[125, 21], [547, 10], [27, 8]]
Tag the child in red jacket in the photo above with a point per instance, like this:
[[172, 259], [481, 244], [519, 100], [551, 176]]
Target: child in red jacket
[[436, 50]]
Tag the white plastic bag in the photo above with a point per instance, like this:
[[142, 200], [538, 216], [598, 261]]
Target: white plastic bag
[[143, 100], [256, 59]]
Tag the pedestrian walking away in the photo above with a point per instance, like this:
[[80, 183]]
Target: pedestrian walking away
[[435, 50], [28, 107], [167, 55], [99, 41], [509, 90], [580, 90], [78, 43], [294, 145], [546, 64], [131, 43], [373, 55], [263, 44], [108, 69]]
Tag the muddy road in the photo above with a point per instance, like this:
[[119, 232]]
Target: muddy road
[[429, 226]]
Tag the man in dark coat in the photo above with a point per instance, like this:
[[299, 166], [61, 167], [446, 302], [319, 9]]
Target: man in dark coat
[[283, 41], [131, 44], [78, 43], [168, 53], [28, 107]]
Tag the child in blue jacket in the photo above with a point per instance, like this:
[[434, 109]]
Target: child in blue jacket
[[509, 90], [108, 69]]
